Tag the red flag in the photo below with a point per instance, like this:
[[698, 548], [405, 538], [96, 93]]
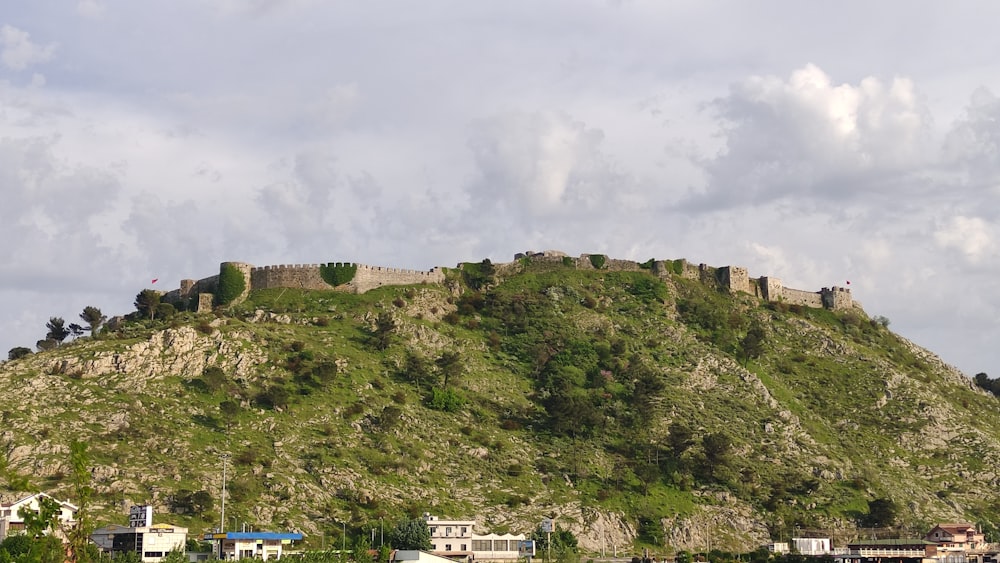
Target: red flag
[[156, 279]]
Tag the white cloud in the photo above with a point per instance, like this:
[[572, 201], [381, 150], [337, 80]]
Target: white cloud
[[805, 136], [18, 52], [91, 8], [971, 236]]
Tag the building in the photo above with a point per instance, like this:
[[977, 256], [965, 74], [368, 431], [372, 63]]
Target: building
[[152, 543], [11, 521], [414, 556], [890, 551], [811, 546], [963, 536], [456, 539], [251, 545]]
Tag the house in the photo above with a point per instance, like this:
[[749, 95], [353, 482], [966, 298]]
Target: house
[[255, 545], [456, 540], [11, 521], [962, 536], [152, 543]]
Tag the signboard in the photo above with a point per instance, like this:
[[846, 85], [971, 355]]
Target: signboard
[[547, 526], [140, 516], [526, 548]]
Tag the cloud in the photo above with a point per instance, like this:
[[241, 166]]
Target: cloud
[[971, 236], [806, 137], [18, 52], [542, 164], [91, 8], [973, 144]]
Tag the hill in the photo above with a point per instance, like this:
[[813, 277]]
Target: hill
[[639, 408]]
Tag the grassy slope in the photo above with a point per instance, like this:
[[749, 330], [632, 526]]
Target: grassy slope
[[836, 412]]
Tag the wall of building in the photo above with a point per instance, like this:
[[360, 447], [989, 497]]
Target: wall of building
[[366, 278]]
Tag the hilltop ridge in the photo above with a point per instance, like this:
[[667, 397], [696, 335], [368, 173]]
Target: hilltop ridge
[[654, 404]]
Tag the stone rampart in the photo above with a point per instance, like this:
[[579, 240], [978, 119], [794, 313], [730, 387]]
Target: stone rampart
[[299, 276], [369, 277], [735, 278], [366, 278], [799, 297]]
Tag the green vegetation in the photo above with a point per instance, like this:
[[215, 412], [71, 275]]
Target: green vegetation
[[597, 261], [656, 399], [232, 284], [338, 274]]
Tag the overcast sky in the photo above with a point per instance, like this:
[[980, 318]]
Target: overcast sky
[[815, 142]]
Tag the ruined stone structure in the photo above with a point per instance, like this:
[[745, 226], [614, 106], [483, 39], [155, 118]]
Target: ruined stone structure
[[366, 278], [299, 276]]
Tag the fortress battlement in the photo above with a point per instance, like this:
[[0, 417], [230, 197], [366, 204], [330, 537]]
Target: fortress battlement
[[366, 277]]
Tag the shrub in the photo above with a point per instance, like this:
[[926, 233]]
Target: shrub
[[567, 261], [398, 302], [232, 284], [597, 261], [204, 327], [446, 400], [165, 311], [337, 274]]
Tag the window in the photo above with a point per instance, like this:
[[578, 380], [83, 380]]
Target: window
[[465, 531], [447, 531], [499, 545], [481, 545], [153, 554], [434, 530], [464, 548], [447, 547]]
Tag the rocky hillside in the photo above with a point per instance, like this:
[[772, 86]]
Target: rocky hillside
[[637, 410]]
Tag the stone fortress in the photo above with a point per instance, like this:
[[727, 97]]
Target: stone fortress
[[366, 278]]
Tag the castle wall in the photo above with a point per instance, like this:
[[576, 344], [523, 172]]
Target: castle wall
[[735, 278], [244, 269], [799, 297], [610, 264], [369, 277], [298, 276]]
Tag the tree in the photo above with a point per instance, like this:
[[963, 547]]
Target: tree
[[450, 364], [417, 369], [76, 330], [882, 513], [94, 319], [385, 325], [18, 352], [46, 344], [146, 302], [412, 534], [752, 345], [57, 329], [680, 438]]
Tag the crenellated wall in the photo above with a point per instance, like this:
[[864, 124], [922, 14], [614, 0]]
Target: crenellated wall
[[366, 278], [369, 277]]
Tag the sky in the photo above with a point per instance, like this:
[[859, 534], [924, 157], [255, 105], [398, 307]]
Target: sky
[[819, 143]]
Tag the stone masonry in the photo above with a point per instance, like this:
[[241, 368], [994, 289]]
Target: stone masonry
[[366, 278]]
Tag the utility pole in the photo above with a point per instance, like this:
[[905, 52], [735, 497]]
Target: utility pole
[[222, 519]]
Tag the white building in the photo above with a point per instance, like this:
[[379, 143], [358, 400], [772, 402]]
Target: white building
[[152, 543], [252, 545], [811, 546], [11, 521], [456, 539]]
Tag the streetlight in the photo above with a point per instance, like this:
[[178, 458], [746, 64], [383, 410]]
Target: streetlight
[[222, 519]]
